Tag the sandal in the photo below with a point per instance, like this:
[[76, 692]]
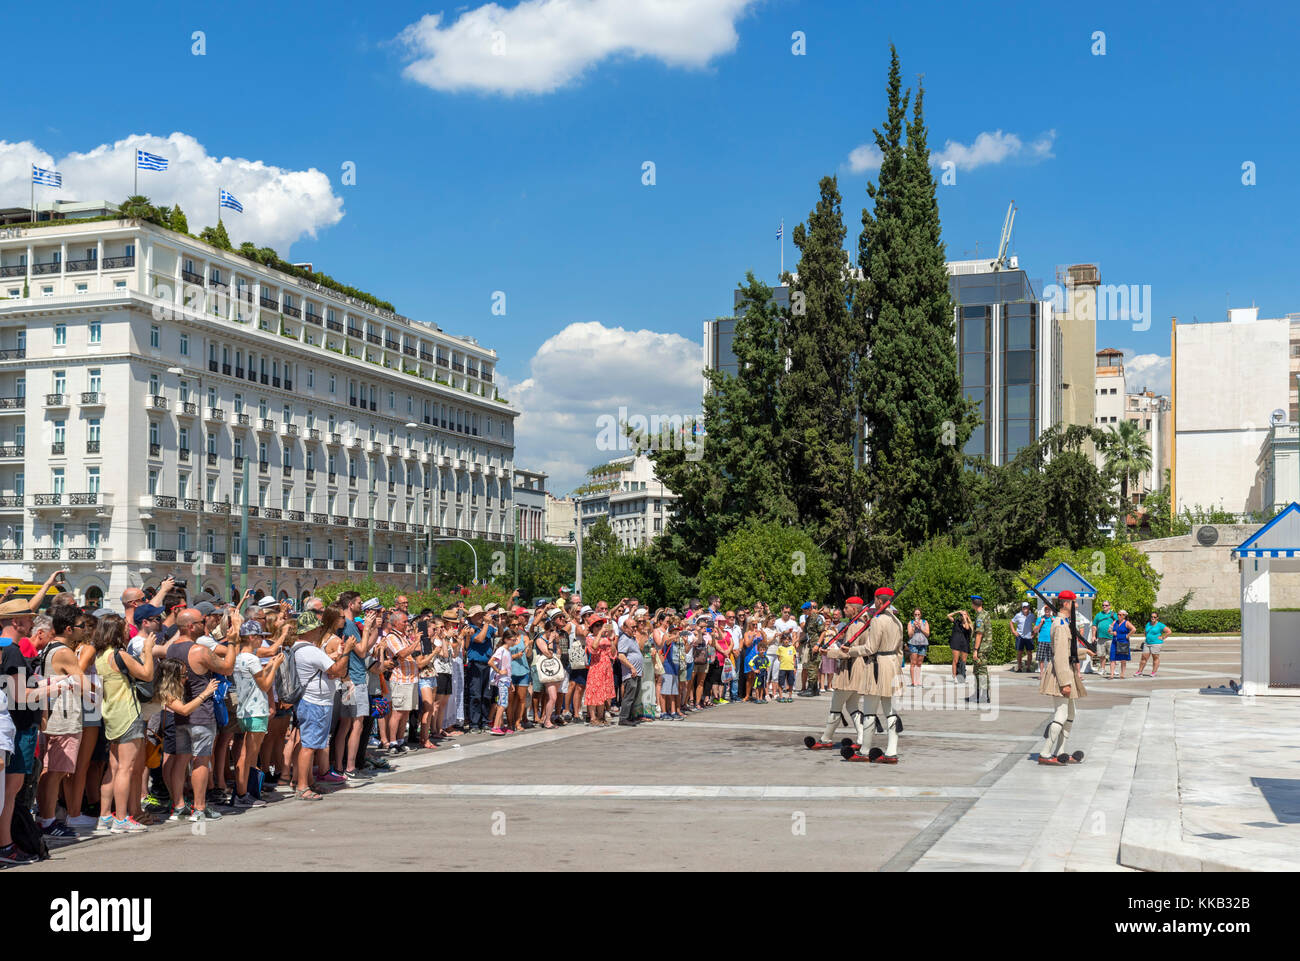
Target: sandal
[[429, 745], [307, 795]]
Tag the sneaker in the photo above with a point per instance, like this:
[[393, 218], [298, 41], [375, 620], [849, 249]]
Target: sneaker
[[183, 811], [248, 801], [498, 732], [206, 814], [127, 826], [152, 800], [83, 821], [11, 854], [332, 777], [104, 823], [57, 829], [401, 749]]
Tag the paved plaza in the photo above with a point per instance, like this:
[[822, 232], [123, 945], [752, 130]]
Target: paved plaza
[[733, 786]]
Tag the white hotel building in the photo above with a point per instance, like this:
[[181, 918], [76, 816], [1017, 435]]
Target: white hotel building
[[123, 470]]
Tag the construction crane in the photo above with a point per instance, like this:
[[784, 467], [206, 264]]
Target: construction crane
[[1010, 220]]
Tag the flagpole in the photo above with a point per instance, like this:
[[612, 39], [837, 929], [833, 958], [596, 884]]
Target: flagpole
[[781, 242], [136, 190]]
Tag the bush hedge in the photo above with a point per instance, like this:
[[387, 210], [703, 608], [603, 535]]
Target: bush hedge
[[1221, 621], [1001, 651]]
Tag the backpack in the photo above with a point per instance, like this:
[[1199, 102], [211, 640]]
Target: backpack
[[220, 710], [578, 653], [286, 676], [145, 691]]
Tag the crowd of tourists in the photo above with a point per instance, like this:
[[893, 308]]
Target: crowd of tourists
[[175, 708]]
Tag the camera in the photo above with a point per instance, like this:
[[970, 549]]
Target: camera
[[181, 583]]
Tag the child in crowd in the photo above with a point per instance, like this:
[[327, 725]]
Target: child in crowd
[[253, 682], [500, 664], [760, 666], [785, 654]]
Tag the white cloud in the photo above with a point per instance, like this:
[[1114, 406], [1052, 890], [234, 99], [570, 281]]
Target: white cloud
[[539, 46], [280, 205], [987, 148], [588, 371], [865, 157], [1146, 372]]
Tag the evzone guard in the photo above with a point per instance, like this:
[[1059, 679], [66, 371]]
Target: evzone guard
[[1061, 682], [846, 697], [880, 652]]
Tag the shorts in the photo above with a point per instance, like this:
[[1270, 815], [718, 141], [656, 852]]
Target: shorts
[[444, 684], [922, 649], [169, 732], [1155, 644], [520, 680], [785, 678], [828, 666], [429, 684], [715, 674], [960, 646], [578, 676], [1025, 644], [669, 686], [61, 752], [194, 739], [254, 725], [1044, 652], [358, 705], [403, 696], [133, 733], [503, 692], [314, 723], [22, 759], [688, 672]]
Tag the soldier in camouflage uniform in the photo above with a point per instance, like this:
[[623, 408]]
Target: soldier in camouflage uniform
[[813, 626], [982, 643]]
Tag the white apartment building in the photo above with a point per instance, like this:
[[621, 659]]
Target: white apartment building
[[145, 374], [627, 493], [1231, 385], [561, 520], [530, 501], [1151, 412]]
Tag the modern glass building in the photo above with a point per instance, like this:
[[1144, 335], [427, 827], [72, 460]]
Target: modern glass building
[[718, 334], [1009, 356]]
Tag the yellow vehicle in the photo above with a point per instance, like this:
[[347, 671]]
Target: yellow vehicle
[[24, 590]]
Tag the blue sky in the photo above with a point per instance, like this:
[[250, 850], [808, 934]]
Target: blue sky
[[464, 188]]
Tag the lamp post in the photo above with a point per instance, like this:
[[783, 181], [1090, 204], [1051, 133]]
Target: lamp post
[[199, 567], [428, 565]]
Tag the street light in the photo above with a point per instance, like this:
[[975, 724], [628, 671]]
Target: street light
[[199, 567], [428, 556]]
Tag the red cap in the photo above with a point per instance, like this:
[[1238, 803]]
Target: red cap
[[885, 592], [854, 600], [1066, 595]]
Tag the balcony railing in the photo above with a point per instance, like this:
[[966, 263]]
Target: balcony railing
[[56, 400], [56, 449], [166, 555], [313, 433], [264, 467], [11, 555], [320, 519], [335, 326], [313, 318], [80, 266], [391, 344], [164, 502], [47, 554], [271, 513], [87, 499], [266, 424], [216, 414], [239, 463], [311, 474], [50, 268], [374, 339], [360, 522], [82, 554], [189, 408], [212, 460], [354, 331], [319, 564], [183, 455], [217, 507], [269, 302], [191, 505], [47, 500], [155, 450], [156, 402], [11, 450], [14, 270], [336, 439], [332, 477], [13, 403], [286, 470], [291, 311], [243, 419], [381, 566], [291, 430], [381, 525], [92, 398], [339, 565], [399, 526], [190, 277], [11, 500], [359, 565], [114, 263], [296, 516], [339, 520], [408, 350]]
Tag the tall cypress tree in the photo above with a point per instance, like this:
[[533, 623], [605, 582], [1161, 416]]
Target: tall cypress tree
[[916, 418], [819, 392]]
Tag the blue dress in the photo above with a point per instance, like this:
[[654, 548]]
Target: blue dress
[[1121, 634]]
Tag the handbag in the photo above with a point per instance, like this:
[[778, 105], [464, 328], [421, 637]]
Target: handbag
[[578, 653], [550, 670], [1121, 648]]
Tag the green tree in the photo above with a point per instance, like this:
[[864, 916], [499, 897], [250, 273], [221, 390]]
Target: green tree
[[771, 562], [599, 543], [1128, 456], [138, 207], [177, 220], [216, 236], [820, 393], [543, 568], [916, 418], [940, 577]]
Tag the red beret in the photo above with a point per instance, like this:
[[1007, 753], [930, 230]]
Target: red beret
[[1066, 595], [885, 592], [854, 600]]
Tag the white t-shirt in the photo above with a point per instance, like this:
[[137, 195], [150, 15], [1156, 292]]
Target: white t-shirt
[[207, 641], [791, 625], [252, 699], [312, 664]]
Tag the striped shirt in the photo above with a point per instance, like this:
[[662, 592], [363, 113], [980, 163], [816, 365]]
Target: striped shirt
[[404, 670]]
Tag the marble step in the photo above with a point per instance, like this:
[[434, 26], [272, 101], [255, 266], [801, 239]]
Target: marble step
[[1096, 848], [1001, 830], [1052, 848]]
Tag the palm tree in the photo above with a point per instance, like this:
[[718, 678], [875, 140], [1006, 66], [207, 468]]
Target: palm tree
[[1128, 456], [138, 207]]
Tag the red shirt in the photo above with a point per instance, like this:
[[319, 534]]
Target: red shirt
[[25, 645]]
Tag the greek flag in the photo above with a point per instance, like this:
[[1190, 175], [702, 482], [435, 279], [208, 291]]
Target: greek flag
[[780, 230], [49, 178], [228, 200], [149, 161]]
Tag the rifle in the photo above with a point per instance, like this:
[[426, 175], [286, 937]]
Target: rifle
[[868, 611]]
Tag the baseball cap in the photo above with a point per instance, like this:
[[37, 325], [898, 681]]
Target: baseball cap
[[805, 605], [206, 608], [103, 612], [1024, 603], [308, 621], [146, 611], [641, 612], [372, 605], [519, 610], [251, 629]]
